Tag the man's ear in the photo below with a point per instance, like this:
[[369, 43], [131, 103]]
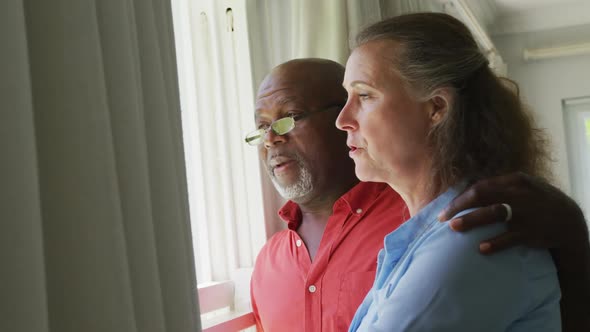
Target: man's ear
[[441, 102]]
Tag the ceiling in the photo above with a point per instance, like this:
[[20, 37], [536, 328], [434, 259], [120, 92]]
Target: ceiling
[[515, 16], [513, 6]]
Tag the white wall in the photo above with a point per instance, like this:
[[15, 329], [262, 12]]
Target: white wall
[[545, 83]]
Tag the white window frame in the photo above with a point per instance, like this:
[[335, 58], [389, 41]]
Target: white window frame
[[215, 301], [223, 173], [576, 111]]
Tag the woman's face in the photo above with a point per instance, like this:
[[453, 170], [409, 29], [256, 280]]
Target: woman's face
[[387, 127]]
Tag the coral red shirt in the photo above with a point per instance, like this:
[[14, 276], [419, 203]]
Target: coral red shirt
[[290, 293]]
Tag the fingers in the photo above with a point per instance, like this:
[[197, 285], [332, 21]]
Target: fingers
[[480, 217], [484, 192], [476, 195], [500, 242]]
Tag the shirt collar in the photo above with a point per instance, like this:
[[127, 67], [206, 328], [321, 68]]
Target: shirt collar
[[421, 222], [291, 214], [357, 200]]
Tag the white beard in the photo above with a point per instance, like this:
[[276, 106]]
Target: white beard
[[302, 187]]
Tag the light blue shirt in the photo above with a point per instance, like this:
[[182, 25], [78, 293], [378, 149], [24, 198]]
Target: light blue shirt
[[430, 278]]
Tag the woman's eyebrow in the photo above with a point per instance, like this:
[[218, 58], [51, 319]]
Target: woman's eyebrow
[[357, 84]]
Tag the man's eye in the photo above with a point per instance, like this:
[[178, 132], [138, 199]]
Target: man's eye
[[262, 126], [363, 96]]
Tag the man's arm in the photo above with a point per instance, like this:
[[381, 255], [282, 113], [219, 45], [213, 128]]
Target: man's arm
[[542, 217], [574, 278]]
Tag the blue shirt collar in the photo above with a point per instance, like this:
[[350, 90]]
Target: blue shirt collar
[[412, 228]]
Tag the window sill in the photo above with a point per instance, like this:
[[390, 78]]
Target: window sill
[[216, 295], [218, 313], [229, 322]]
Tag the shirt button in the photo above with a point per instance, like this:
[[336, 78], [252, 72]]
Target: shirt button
[[298, 243], [359, 211], [312, 289]]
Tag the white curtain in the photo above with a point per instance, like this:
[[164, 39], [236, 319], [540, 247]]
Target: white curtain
[[95, 233], [283, 29]]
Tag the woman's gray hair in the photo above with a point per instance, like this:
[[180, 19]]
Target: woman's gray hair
[[487, 131], [436, 50]]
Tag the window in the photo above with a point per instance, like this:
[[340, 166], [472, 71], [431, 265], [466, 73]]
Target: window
[[576, 114], [223, 173]]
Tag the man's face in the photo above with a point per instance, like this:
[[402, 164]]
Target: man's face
[[298, 162]]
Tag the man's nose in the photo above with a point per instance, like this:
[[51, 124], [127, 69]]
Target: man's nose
[[271, 138]]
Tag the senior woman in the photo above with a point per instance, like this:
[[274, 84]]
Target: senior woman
[[426, 115]]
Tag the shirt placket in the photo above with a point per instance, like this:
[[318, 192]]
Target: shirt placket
[[314, 291], [314, 283]]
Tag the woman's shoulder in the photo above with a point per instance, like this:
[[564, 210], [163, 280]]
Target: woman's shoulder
[[441, 240], [444, 280]]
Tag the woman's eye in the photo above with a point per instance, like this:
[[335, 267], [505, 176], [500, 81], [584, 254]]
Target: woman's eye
[[262, 126], [364, 96]]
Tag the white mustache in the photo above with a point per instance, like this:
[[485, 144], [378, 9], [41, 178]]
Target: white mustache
[[278, 159]]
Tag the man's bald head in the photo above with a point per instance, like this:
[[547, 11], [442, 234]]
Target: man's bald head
[[320, 80]]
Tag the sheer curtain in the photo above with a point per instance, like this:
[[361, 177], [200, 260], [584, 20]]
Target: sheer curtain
[[284, 30], [95, 233]]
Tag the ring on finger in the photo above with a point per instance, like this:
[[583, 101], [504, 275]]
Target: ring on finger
[[508, 212]]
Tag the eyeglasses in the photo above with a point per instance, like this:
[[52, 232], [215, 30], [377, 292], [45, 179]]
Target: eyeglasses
[[281, 126]]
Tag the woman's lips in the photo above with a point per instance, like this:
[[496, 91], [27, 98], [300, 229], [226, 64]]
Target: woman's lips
[[354, 151]]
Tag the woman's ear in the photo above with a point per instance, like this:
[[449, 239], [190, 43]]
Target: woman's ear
[[441, 102]]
